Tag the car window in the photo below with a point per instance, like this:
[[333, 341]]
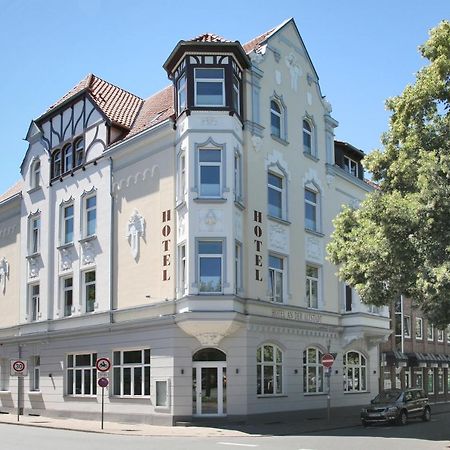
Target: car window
[[408, 396], [387, 396]]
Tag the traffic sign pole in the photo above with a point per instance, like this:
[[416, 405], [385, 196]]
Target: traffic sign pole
[[103, 404], [327, 362]]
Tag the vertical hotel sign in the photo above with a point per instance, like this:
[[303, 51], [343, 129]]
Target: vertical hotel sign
[[166, 233], [257, 232]]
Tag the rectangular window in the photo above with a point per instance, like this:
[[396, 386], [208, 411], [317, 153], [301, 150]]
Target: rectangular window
[[418, 375], [440, 381], [89, 290], [181, 90], [276, 278], [430, 381], [131, 373], [35, 373], [348, 298], [275, 191], [448, 335], [237, 177], [81, 374], [351, 166], [182, 268], [91, 215], [182, 177], [310, 210], [209, 87], [430, 332], [210, 166], [34, 304], [210, 262], [440, 335], [407, 326], [4, 374], [236, 95], [35, 234], [312, 287], [68, 214], [68, 296], [238, 266], [419, 328]]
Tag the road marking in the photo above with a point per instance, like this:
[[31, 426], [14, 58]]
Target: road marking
[[239, 445]]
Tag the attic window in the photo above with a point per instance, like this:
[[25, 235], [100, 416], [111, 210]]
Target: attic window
[[350, 166]]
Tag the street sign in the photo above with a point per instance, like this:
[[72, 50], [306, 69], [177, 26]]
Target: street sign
[[103, 364], [19, 368], [327, 360], [103, 382]]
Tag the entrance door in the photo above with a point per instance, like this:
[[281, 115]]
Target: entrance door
[[209, 389]]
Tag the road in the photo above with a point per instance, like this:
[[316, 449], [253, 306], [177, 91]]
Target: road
[[414, 436]]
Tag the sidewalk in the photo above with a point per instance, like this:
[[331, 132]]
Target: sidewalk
[[299, 422]]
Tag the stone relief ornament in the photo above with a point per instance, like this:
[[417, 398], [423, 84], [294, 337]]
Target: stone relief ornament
[[210, 220], [210, 121], [278, 238], [88, 252], [4, 273], [66, 260], [135, 230], [257, 143], [294, 70]]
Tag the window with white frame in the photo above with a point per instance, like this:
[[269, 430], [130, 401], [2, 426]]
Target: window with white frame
[[418, 376], [355, 372], [440, 381], [276, 119], [312, 286], [36, 174], [210, 263], [89, 290], [4, 374], [276, 278], [35, 234], [181, 176], [236, 95], [181, 92], [67, 224], [81, 374], [311, 209], [430, 381], [269, 370], [430, 332], [440, 335], [90, 215], [307, 137], [312, 371], [79, 152], [419, 328], [238, 266], [209, 87], [67, 292], [34, 302], [56, 164], [68, 158], [182, 281], [276, 195], [237, 177], [407, 326], [350, 166], [35, 373], [210, 167], [131, 372]]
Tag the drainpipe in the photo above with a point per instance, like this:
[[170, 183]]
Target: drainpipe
[[111, 242]]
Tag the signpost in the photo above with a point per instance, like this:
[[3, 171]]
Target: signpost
[[19, 369], [103, 365], [327, 362]]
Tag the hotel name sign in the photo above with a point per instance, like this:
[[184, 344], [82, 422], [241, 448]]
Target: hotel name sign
[[297, 316]]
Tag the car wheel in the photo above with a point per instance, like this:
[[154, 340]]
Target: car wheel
[[402, 418], [426, 415]]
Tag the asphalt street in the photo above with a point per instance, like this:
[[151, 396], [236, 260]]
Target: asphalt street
[[416, 435]]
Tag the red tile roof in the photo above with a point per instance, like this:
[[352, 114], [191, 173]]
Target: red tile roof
[[12, 191], [119, 106], [209, 37], [255, 43]]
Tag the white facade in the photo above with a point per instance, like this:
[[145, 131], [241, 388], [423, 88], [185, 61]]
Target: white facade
[[207, 240]]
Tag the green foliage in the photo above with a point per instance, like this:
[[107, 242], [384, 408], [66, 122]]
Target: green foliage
[[398, 241]]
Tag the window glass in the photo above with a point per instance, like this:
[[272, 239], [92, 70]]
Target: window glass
[[310, 210], [68, 158], [275, 119], [275, 193], [312, 286], [57, 164], [181, 89], [89, 286], [312, 371], [210, 266], [355, 372], [269, 370], [68, 224], [91, 215], [210, 169], [81, 374], [68, 296], [209, 87], [276, 279], [307, 148]]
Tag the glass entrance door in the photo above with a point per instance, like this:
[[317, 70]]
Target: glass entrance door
[[209, 389]]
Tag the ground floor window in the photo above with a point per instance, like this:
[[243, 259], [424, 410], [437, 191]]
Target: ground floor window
[[131, 372], [418, 375], [35, 373], [408, 381], [387, 383], [440, 381], [430, 381], [81, 374], [4, 374], [355, 372], [269, 361], [312, 371]]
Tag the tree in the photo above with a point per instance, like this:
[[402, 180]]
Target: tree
[[398, 241]]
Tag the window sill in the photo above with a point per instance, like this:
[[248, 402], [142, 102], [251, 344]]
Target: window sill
[[90, 397], [87, 238], [314, 394], [215, 294], [313, 232], [210, 200], [271, 395], [35, 392], [33, 255], [311, 156], [278, 219], [5, 392], [65, 246], [280, 140], [131, 397], [35, 189], [356, 392]]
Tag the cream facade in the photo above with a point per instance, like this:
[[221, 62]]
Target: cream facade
[[183, 237]]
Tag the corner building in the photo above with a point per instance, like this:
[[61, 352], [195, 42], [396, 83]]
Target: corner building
[[183, 236]]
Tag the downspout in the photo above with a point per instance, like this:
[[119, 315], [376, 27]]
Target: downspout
[[111, 243]]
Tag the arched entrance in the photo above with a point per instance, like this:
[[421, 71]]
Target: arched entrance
[[209, 379]]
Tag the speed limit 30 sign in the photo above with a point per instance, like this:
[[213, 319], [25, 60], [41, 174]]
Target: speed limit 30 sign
[[19, 368]]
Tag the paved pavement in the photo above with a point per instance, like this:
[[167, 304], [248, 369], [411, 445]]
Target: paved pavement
[[292, 424]]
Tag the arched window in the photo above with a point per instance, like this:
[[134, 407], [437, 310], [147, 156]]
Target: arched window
[[312, 371], [275, 119], [56, 164], [355, 372], [36, 174], [68, 158], [79, 152], [269, 370], [307, 137]]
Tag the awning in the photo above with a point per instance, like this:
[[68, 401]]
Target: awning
[[394, 358], [425, 359]]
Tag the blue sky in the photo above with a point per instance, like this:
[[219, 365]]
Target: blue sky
[[363, 51]]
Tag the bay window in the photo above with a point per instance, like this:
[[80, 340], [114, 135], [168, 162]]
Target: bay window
[[210, 262], [210, 167], [209, 86]]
